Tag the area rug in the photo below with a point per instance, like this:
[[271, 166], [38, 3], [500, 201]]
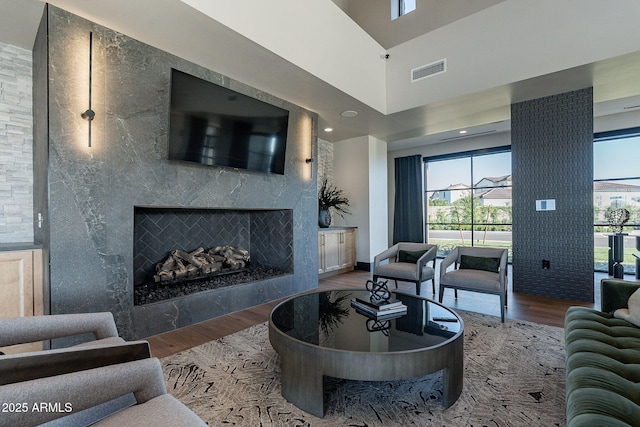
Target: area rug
[[514, 376]]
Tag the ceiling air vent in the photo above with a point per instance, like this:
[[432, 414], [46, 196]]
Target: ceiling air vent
[[429, 70]]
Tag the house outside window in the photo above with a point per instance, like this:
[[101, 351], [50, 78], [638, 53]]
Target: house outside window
[[468, 200]]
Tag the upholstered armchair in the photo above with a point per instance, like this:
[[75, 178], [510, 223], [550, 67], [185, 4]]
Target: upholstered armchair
[[97, 329], [407, 262], [68, 397], [477, 270], [102, 376]]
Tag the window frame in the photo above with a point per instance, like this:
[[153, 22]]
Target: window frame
[[598, 225], [473, 225]]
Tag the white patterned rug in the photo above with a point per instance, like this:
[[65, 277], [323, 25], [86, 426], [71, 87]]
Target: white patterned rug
[[514, 376]]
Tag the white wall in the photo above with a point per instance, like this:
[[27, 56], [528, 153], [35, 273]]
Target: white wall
[[617, 121], [378, 197], [360, 169]]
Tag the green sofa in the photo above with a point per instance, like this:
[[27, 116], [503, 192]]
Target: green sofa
[[603, 362]]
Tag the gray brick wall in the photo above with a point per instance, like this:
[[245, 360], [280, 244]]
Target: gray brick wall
[[16, 145], [552, 157]]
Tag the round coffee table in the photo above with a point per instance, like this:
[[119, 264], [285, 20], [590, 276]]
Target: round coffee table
[[320, 334]]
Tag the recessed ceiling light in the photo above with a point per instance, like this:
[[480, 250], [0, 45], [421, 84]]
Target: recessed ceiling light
[[462, 132], [328, 129], [349, 113]]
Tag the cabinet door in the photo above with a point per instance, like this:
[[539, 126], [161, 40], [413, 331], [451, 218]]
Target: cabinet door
[[320, 252], [17, 290], [348, 248], [16, 284], [332, 243]]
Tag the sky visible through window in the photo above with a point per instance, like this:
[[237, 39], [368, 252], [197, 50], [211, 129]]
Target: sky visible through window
[[611, 159], [442, 174], [618, 158]]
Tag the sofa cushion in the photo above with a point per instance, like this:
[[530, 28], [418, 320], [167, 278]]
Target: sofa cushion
[[480, 263], [164, 410], [631, 314], [404, 271], [473, 279], [409, 256], [602, 369]]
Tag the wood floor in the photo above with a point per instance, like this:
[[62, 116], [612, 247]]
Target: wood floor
[[549, 311]]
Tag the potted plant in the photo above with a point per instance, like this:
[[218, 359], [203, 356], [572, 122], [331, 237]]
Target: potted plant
[[330, 197]]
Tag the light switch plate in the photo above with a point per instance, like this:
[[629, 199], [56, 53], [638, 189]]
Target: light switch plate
[[546, 205]]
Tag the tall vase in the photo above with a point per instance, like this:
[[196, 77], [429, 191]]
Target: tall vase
[[324, 218]]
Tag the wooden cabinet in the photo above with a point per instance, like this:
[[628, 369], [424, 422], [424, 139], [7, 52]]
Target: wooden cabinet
[[336, 250], [21, 289]]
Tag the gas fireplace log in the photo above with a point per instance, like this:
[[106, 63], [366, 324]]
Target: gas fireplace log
[[167, 265], [163, 276], [181, 264], [212, 267], [198, 251], [236, 263], [181, 274], [187, 257], [209, 259]]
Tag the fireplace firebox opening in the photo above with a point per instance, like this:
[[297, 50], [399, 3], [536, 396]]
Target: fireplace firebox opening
[[180, 251]]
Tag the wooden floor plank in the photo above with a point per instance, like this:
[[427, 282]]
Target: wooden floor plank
[[549, 311]]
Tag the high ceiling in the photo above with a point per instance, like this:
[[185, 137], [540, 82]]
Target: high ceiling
[[374, 17], [313, 54]]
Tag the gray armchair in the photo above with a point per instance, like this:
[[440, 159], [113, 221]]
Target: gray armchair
[[407, 262], [84, 390], [100, 327], [477, 270]]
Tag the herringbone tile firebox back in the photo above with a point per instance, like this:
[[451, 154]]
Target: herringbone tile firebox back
[[266, 234]]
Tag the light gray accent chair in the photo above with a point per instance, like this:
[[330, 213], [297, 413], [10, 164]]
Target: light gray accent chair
[[397, 269], [97, 328], [80, 391], [477, 279], [98, 345]]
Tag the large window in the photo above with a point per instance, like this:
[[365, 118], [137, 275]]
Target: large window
[[468, 200], [616, 172]]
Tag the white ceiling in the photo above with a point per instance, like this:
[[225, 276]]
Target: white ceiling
[[502, 52]]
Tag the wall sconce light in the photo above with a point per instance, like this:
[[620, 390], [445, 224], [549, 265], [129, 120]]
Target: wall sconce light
[[89, 114]]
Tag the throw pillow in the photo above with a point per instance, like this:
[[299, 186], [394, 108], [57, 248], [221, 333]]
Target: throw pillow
[[631, 314], [409, 256], [480, 263]]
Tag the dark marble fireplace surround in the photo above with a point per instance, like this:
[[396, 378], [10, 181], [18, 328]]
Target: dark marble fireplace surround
[[89, 195]]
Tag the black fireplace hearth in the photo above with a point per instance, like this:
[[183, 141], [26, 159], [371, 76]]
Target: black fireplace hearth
[[151, 292]]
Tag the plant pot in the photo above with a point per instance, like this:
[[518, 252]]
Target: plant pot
[[324, 218]]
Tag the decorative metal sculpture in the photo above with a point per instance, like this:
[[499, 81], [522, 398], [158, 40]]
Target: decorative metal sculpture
[[618, 218], [379, 290], [374, 325]]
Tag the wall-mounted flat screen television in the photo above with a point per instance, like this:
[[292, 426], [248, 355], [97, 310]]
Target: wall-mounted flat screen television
[[213, 125]]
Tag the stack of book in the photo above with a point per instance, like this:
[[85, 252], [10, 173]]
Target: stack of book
[[387, 309]]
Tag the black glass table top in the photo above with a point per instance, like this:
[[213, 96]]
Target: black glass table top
[[328, 320]]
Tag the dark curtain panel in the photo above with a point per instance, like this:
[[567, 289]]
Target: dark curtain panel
[[408, 218]]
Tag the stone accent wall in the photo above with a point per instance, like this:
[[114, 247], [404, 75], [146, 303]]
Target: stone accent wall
[[93, 191], [325, 160], [16, 145], [552, 156]]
